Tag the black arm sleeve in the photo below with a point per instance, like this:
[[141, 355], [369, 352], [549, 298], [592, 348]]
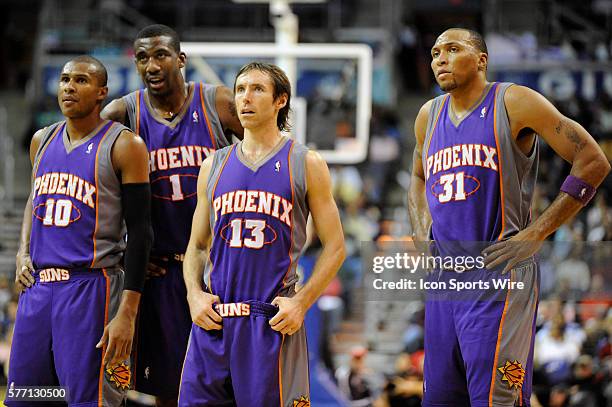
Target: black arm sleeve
[[136, 201]]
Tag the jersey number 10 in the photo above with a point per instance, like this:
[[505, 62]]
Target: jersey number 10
[[57, 212]]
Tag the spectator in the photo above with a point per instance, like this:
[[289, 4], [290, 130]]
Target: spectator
[[413, 335], [405, 387], [555, 352], [559, 397], [575, 271], [353, 381], [587, 389]]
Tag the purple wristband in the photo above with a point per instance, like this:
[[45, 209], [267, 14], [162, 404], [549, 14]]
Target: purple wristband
[[578, 189]]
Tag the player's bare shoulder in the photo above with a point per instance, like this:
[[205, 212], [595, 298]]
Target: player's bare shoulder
[[515, 93], [206, 166], [523, 103], [116, 110], [527, 108], [420, 128], [420, 123], [128, 149], [317, 172], [315, 162], [35, 142], [129, 142], [425, 109]]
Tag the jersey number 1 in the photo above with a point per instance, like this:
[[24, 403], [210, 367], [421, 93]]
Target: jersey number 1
[[177, 192]]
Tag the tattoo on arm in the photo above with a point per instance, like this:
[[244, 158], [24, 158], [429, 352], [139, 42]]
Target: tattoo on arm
[[571, 134]]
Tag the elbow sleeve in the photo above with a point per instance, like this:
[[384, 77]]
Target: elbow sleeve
[[136, 204]]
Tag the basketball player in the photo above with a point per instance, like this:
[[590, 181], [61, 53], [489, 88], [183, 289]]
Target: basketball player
[[181, 123], [247, 345], [76, 315], [474, 170]]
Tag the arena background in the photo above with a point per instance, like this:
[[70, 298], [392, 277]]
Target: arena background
[[362, 352]]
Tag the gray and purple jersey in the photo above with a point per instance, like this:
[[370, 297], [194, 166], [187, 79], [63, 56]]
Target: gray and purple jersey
[[479, 184], [76, 200], [177, 149], [258, 216]]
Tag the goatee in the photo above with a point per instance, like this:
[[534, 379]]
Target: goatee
[[448, 87]]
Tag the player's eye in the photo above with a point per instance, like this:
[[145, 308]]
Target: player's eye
[[141, 59], [454, 49], [81, 80]]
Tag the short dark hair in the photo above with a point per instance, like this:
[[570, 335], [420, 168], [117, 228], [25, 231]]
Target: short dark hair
[[100, 74], [281, 86], [476, 39], [159, 30]]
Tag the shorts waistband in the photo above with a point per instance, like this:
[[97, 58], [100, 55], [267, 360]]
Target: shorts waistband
[[56, 274], [246, 308], [178, 257]]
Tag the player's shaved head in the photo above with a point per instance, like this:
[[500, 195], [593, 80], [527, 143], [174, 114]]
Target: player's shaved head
[[99, 70], [475, 38], [160, 30]]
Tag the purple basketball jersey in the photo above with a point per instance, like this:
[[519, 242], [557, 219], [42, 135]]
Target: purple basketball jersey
[[462, 173], [76, 201], [478, 183], [177, 148], [258, 217]]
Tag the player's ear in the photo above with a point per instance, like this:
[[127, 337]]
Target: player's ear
[[483, 61], [102, 93], [182, 58], [281, 101]]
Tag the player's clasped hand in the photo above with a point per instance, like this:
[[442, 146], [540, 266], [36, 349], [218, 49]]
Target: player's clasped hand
[[203, 313], [23, 273], [118, 336], [520, 247], [154, 269], [289, 317]]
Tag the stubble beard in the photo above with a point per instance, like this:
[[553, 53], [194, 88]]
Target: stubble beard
[[449, 86]]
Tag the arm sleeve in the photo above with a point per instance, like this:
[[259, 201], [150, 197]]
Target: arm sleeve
[[136, 201]]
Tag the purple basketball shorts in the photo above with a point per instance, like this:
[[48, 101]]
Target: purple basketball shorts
[[479, 343], [246, 363], [60, 319], [163, 329]]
